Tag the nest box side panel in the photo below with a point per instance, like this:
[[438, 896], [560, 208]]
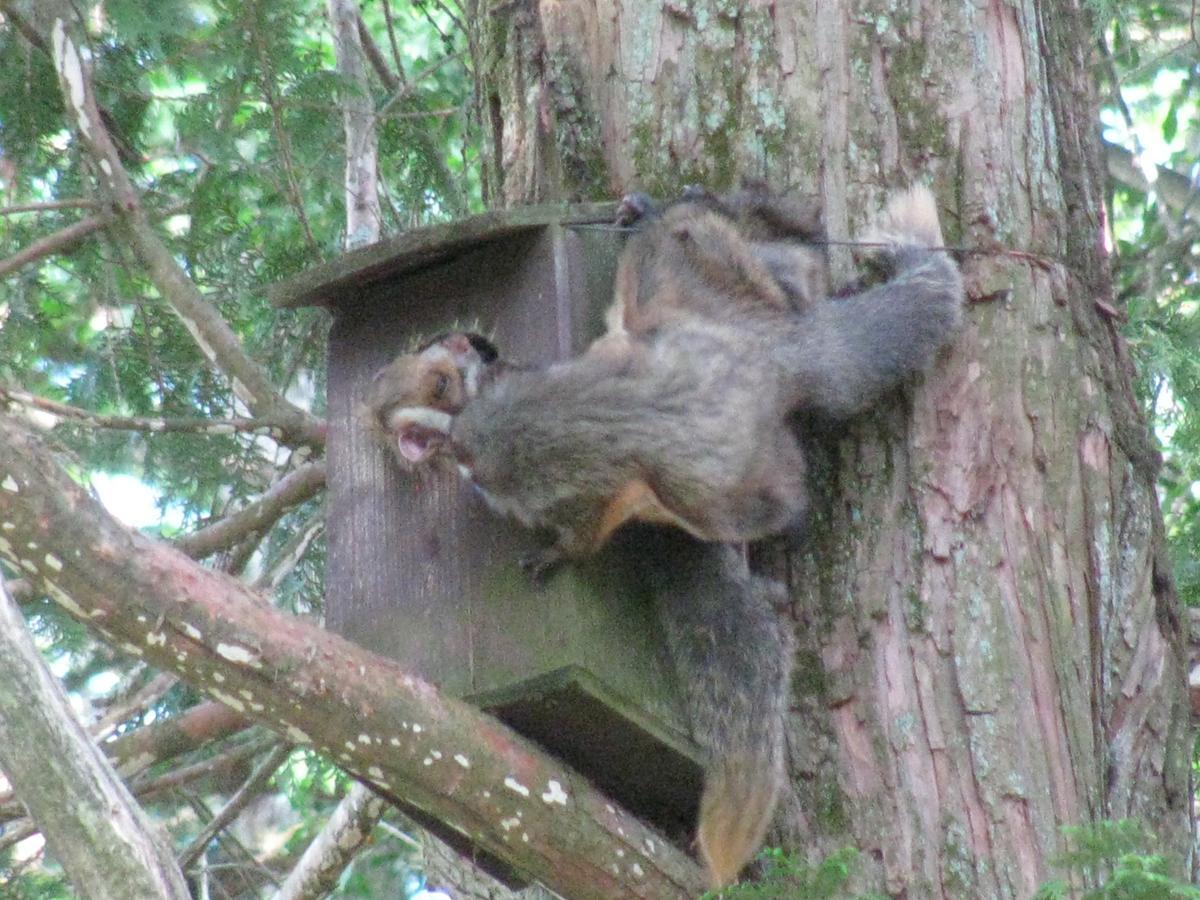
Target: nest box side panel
[[405, 551], [419, 569]]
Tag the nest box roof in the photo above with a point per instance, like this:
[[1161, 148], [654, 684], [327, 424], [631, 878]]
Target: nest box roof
[[327, 283]]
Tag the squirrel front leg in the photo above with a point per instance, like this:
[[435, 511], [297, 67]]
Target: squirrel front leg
[[845, 353], [587, 534]]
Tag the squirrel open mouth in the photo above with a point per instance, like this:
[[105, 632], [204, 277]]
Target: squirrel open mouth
[[419, 432], [417, 443]]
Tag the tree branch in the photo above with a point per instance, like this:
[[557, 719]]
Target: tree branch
[[1176, 191], [157, 424], [149, 694], [423, 750], [396, 84], [165, 739], [144, 787], [47, 206], [363, 219], [317, 872], [254, 785], [212, 334], [59, 242], [133, 753], [291, 490], [102, 838]]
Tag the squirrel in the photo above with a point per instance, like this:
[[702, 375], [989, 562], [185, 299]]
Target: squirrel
[[680, 417], [713, 255]]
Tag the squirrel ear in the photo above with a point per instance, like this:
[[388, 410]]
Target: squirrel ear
[[486, 349]]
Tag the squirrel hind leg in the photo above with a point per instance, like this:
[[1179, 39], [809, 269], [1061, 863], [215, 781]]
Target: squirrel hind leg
[[735, 810]]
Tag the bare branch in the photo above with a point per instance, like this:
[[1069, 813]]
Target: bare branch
[[255, 785], [374, 56], [390, 20], [422, 750], [59, 242], [47, 206], [165, 739], [102, 838], [149, 694], [363, 220], [133, 753], [291, 490], [196, 425], [16, 833], [283, 141], [317, 872], [1175, 190], [147, 788], [291, 553], [144, 788]]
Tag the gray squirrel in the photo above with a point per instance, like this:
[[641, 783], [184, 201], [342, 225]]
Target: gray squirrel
[[681, 416]]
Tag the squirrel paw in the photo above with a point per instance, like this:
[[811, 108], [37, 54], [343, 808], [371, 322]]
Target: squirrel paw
[[540, 563]]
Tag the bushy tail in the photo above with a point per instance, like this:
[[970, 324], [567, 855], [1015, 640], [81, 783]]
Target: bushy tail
[[910, 218], [733, 654]]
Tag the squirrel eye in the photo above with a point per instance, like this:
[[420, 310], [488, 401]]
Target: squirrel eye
[[439, 388]]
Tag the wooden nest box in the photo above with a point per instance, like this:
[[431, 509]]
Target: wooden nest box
[[421, 571]]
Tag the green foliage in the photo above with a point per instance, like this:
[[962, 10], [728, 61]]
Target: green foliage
[[1151, 111], [785, 876], [32, 885], [1111, 860], [226, 116]]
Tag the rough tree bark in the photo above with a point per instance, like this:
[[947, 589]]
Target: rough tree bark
[[109, 847], [991, 646]]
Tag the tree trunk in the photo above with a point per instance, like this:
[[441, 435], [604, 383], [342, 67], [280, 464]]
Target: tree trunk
[[990, 645]]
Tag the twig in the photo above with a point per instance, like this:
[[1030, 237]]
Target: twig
[[291, 554], [407, 88], [267, 83], [149, 694], [210, 331], [47, 206], [59, 242], [375, 57], [197, 424], [391, 30], [291, 490], [253, 786], [144, 787]]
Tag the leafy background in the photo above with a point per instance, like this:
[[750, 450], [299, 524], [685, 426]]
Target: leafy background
[[228, 119]]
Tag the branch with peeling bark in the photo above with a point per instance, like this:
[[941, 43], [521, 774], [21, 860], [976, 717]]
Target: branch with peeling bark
[[428, 752], [317, 872], [211, 333]]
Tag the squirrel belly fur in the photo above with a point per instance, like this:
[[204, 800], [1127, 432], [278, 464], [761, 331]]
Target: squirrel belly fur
[[680, 416]]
